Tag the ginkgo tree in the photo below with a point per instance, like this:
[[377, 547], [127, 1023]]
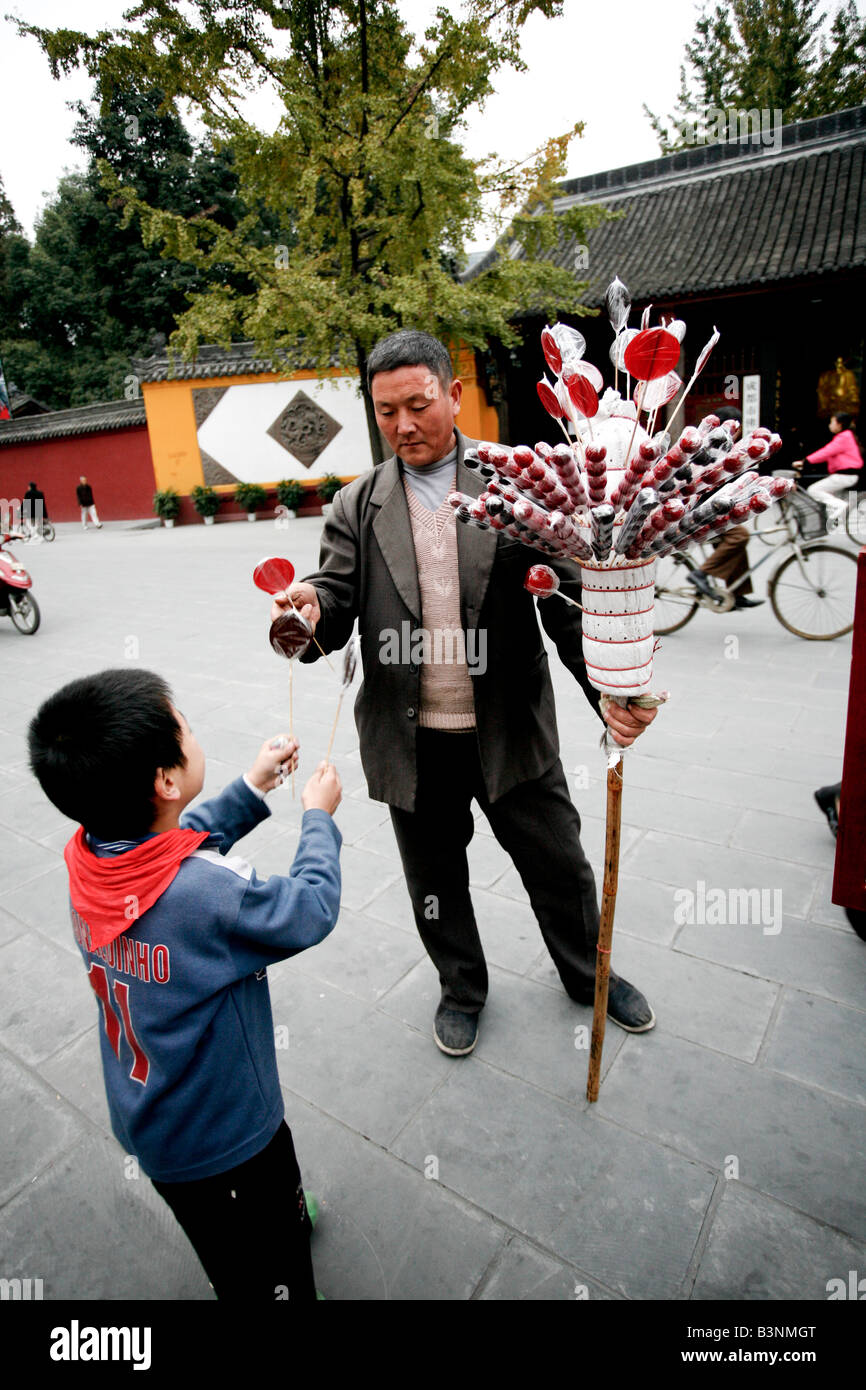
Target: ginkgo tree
[[374, 194]]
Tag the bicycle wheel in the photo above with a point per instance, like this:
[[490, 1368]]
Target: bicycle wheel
[[771, 526], [812, 593], [24, 612], [855, 522], [48, 532], [674, 605]]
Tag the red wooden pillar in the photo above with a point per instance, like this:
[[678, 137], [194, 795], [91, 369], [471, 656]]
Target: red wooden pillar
[[849, 880]]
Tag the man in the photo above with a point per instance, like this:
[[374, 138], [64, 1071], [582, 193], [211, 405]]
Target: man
[[35, 509], [436, 733], [84, 493], [729, 561]]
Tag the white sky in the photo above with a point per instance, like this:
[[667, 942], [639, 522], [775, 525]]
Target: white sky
[[599, 63]]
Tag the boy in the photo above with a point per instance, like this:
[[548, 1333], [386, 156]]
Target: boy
[[176, 939]]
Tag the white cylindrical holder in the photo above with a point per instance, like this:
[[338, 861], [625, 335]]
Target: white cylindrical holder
[[618, 626]]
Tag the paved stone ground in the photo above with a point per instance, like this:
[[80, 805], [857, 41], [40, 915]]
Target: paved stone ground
[[724, 1158]]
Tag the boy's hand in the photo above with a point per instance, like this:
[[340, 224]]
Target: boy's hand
[[324, 791], [276, 760], [304, 598]]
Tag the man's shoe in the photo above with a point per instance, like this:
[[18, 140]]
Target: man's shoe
[[826, 799], [702, 583], [454, 1032], [627, 1007], [742, 602]]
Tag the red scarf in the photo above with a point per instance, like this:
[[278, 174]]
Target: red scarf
[[111, 894]]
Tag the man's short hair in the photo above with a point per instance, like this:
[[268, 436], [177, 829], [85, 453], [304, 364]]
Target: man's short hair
[[729, 412], [410, 348], [96, 745]]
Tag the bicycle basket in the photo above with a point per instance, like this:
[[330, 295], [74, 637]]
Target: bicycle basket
[[808, 515]]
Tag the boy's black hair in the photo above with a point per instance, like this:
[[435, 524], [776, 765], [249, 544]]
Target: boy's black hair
[[410, 348], [95, 747], [729, 412]]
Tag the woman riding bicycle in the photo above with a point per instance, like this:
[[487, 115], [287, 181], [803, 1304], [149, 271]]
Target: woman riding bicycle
[[844, 459]]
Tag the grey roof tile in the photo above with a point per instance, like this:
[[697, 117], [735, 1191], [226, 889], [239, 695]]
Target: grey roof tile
[[82, 419]]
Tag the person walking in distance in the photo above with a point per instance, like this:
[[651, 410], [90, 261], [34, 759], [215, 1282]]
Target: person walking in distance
[[84, 493]]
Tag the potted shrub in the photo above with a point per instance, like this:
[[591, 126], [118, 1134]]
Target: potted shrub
[[250, 497], [328, 488], [290, 494], [166, 504], [207, 503]]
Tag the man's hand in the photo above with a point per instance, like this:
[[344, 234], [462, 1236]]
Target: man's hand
[[276, 760], [627, 724], [304, 598], [324, 791]]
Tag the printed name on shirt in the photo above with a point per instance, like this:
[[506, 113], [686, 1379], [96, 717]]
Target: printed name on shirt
[[126, 955]]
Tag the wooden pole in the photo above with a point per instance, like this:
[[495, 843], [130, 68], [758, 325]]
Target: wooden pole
[[605, 934]]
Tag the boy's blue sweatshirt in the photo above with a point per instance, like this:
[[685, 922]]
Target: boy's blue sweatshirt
[[187, 1035]]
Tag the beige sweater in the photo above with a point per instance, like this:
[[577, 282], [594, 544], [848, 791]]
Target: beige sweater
[[447, 700]]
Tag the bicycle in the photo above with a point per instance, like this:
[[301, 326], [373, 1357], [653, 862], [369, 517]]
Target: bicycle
[[811, 516], [811, 590], [33, 532]]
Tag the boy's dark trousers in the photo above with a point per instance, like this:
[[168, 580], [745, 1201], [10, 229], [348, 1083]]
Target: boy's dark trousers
[[538, 825], [249, 1226]]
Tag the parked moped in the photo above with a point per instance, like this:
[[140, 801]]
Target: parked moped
[[15, 600]]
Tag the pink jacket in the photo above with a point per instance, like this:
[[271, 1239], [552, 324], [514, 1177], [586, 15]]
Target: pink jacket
[[841, 455]]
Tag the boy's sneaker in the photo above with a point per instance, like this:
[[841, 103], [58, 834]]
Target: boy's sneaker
[[454, 1032], [313, 1208]]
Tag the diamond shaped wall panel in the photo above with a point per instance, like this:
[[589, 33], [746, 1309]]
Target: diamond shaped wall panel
[[242, 431]]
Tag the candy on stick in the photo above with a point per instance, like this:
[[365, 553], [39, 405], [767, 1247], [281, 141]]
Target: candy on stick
[[290, 633], [642, 505], [350, 662], [542, 582], [602, 530]]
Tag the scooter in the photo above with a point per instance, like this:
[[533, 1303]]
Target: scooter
[[15, 602]]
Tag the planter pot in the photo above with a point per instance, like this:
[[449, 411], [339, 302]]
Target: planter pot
[[326, 508], [209, 520], [292, 516], [251, 516], [168, 522]]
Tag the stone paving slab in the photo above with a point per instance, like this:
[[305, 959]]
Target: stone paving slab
[[606, 1201], [352, 1061], [35, 1130], [708, 1106], [760, 1249], [90, 1233], [382, 1220], [821, 1043], [804, 954], [523, 1274]]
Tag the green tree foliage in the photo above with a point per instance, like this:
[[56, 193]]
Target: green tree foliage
[[88, 293], [750, 55], [364, 172]]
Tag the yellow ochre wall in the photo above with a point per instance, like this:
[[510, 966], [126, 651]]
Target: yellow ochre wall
[[172, 429]]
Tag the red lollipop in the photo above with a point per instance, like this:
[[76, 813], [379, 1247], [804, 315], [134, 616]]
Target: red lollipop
[[273, 574], [548, 399], [582, 394], [541, 581], [552, 355], [653, 353]]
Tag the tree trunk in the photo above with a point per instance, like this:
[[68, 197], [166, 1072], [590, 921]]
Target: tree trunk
[[376, 446]]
